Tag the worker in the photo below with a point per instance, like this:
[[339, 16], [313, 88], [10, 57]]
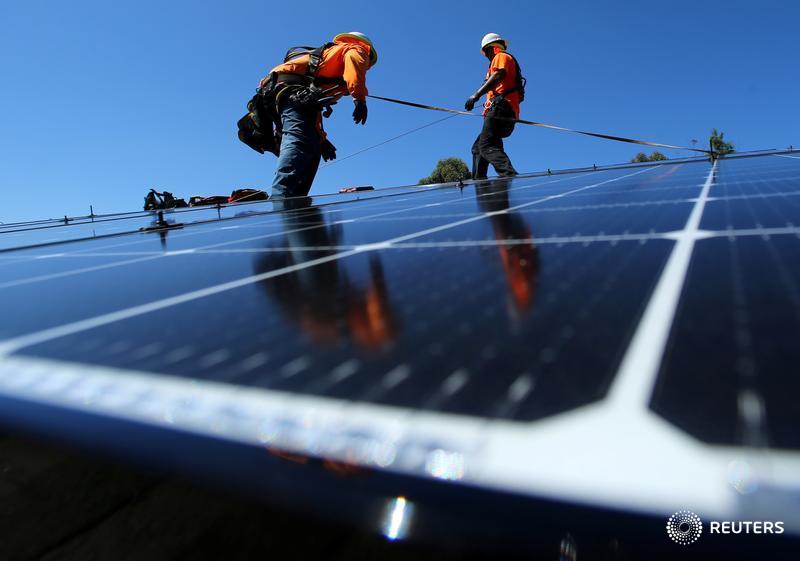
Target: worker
[[505, 89], [300, 87]]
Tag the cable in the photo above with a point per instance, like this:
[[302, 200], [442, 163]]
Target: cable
[[544, 125], [336, 161]]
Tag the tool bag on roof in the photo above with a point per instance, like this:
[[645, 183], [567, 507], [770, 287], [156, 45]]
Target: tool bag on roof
[[158, 201]]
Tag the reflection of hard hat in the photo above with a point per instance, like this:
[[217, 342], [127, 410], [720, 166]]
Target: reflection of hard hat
[[373, 54], [490, 38]]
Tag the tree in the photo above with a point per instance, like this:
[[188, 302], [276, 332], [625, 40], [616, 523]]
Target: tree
[[718, 144], [447, 170], [642, 157]]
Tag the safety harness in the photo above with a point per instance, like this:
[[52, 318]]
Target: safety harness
[[519, 86], [260, 128], [314, 59]]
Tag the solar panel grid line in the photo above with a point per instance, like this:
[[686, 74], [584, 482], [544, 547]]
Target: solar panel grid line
[[210, 246], [633, 384], [10, 345], [163, 254], [90, 269], [276, 217], [418, 189], [374, 218], [554, 239], [560, 208], [152, 256], [432, 189], [400, 239], [122, 232], [100, 219], [10, 258], [13, 344]]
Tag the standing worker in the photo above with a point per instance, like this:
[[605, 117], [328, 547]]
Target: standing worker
[[505, 89], [294, 94]]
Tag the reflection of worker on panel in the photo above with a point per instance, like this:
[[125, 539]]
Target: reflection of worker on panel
[[520, 260], [322, 300]]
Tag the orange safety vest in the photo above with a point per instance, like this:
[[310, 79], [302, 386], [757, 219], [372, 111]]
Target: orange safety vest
[[504, 61], [347, 60]]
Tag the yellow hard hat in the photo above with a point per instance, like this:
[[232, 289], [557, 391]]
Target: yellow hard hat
[[373, 54]]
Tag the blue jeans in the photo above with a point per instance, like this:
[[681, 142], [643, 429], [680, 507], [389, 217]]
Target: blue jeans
[[300, 151]]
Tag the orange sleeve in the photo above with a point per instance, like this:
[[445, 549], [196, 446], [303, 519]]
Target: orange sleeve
[[356, 64], [502, 61]]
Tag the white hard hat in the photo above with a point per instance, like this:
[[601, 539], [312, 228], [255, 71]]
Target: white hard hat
[[490, 38], [373, 54]]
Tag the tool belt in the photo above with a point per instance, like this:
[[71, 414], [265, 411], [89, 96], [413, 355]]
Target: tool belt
[[261, 128], [500, 107]]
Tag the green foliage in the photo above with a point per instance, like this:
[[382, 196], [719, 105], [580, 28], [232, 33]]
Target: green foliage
[[642, 157], [718, 144], [447, 170]]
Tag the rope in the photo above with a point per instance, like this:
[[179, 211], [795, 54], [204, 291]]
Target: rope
[[543, 125], [336, 161]]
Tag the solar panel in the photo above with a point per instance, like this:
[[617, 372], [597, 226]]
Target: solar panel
[[511, 335]]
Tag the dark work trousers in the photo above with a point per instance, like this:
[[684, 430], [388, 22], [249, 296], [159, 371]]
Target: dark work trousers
[[300, 150], [488, 147]]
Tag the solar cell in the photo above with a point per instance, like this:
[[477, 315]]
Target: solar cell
[[507, 334]]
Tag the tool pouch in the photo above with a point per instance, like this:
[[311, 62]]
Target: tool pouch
[[501, 108], [258, 137], [260, 128]]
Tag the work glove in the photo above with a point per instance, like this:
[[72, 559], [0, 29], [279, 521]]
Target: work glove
[[360, 112], [328, 150], [470, 104]]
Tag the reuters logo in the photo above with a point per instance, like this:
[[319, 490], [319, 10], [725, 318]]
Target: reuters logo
[[684, 527]]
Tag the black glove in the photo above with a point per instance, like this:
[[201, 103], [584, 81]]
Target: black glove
[[470, 104], [328, 150], [360, 112]]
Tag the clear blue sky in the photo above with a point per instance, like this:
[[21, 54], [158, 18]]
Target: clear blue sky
[[102, 100]]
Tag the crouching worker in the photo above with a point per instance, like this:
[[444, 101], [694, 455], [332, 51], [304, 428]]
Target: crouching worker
[[292, 98], [505, 89]]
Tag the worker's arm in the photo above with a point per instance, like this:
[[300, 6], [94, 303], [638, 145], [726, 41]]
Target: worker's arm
[[356, 64], [490, 82]]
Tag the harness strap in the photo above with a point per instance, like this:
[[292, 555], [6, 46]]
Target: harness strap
[[315, 59], [520, 85]]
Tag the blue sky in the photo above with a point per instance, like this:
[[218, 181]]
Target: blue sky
[[102, 100]]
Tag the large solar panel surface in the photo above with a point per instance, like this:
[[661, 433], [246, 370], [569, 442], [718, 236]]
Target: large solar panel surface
[[623, 337]]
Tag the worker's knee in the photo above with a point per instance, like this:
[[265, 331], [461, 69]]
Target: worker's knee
[[489, 145], [476, 147]]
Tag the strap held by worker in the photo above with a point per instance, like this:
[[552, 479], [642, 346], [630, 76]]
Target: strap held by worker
[[544, 125]]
